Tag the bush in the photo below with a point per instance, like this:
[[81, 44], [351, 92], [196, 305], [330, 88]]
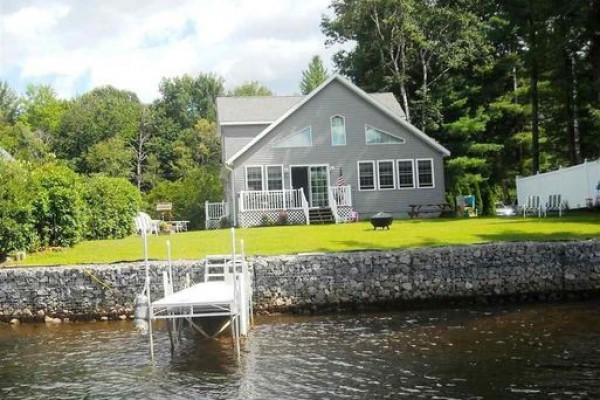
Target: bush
[[111, 205], [282, 218], [224, 223], [58, 207], [17, 221], [188, 195], [264, 220]]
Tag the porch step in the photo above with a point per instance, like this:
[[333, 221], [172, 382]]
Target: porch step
[[322, 215]]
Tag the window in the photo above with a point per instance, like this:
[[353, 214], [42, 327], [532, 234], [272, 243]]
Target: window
[[385, 174], [338, 131], [377, 136], [298, 139], [274, 177], [254, 177], [406, 175], [425, 173], [366, 175]]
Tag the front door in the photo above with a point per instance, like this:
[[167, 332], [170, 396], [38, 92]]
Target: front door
[[313, 181], [300, 180]]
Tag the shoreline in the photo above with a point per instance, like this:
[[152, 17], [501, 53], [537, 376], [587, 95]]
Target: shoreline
[[496, 273]]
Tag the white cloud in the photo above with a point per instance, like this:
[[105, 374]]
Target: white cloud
[[76, 45]]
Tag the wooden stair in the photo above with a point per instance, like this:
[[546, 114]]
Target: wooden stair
[[322, 215]]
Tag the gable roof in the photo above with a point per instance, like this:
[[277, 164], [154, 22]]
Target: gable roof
[[264, 110], [381, 101], [253, 109]]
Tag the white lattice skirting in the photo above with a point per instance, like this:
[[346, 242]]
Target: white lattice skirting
[[345, 213], [271, 217]]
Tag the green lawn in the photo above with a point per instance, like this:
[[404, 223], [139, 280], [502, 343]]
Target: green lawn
[[330, 238]]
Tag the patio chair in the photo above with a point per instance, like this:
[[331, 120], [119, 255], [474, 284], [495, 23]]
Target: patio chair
[[532, 206], [554, 204], [143, 223]]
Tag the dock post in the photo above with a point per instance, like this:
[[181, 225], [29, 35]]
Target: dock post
[[145, 239]]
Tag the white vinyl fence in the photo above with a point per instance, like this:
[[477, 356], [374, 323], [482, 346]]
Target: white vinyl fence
[[577, 185]]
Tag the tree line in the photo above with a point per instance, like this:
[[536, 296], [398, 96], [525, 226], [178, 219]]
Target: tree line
[[510, 87]]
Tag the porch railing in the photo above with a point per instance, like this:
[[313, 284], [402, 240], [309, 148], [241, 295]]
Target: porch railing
[[340, 195], [271, 200], [304, 203], [333, 206], [214, 213]]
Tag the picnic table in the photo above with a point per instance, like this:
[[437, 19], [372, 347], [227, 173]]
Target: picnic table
[[417, 209], [180, 226]]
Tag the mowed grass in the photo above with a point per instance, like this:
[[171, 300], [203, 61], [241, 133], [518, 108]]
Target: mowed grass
[[328, 238]]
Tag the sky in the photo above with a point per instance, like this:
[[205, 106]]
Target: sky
[[77, 45]]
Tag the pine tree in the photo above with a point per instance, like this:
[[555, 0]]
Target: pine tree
[[313, 76]]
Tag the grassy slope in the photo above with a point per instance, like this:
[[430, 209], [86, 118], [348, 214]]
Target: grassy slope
[[330, 238]]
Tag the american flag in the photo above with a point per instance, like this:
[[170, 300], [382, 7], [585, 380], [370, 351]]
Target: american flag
[[341, 180]]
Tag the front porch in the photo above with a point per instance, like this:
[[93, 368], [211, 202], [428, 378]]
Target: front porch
[[282, 207]]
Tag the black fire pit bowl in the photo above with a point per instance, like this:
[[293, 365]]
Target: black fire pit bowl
[[381, 220]]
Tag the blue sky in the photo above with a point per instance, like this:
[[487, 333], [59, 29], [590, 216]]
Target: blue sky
[[76, 45]]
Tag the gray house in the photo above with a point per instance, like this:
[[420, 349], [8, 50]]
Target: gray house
[[338, 154]]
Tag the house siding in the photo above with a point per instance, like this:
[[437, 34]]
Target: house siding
[[337, 99], [235, 137]]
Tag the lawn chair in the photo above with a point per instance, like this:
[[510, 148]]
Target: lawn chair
[[143, 223], [554, 204], [532, 206]]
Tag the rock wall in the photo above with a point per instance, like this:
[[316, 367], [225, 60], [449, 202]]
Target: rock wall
[[434, 274], [84, 292], [318, 281]]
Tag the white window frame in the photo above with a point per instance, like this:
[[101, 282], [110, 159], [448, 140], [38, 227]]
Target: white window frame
[[367, 126], [372, 162], [393, 174], [432, 173], [414, 180], [280, 166], [343, 125], [277, 144], [262, 177]]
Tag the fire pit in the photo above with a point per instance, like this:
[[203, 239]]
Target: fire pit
[[381, 220]]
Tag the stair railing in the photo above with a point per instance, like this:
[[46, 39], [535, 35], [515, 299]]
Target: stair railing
[[305, 206], [333, 206]]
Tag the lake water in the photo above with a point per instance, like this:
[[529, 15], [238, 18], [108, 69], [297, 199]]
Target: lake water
[[511, 352]]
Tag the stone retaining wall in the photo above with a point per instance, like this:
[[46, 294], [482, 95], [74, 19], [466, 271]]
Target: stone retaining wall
[[319, 281], [84, 292], [479, 271]]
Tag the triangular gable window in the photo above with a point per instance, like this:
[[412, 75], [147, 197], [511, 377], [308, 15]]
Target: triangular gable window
[[298, 139], [377, 136]]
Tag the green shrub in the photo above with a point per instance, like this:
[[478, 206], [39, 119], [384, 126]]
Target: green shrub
[[224, 222], [59, 209], [187, 195], [111, 205], [17, 221]]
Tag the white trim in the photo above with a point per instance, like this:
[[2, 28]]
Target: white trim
[[432, 173], [367, 126], [309, 166], [245, 123], [414, 180], [278, 146], [267, 176], [358, 175], [393, 175], [331, 128], [361, 93], [262, 176]]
